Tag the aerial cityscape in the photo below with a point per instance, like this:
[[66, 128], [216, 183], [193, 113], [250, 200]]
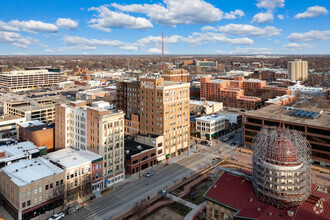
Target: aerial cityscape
[[164, 110]]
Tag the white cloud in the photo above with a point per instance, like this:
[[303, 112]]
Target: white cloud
[[14, 38], [251, 50], [233, 14], [263, 18], [49, 51], [155, 41], [312, 12], [107, 19], [77, 47], [155, 50], [295, 46], [309, 36], [281, 17], [33, 26], [5, 27], [220, 52], [73, 41], [202, 38], [209, 28], [174, 12], [128, 47], [249, 30], [270, 4], [24, 46], [66, 23]]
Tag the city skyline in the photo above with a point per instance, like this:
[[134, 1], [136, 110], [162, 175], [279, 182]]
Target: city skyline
[[189, 26]]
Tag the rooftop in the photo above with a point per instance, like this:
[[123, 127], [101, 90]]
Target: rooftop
[[195, 102], [235, 191], [15, 149], [273, 112], [24, 172], [211, 118], [30, 123], [70, 158], [9, 118], [279, 98], [41, 127], [132, 148]]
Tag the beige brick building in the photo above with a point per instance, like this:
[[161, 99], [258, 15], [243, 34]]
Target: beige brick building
[[98, 130], [298, 70], [163, 110], [29, 187]]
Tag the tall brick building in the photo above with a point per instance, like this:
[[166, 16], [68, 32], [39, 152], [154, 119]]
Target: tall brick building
[[162, 109], [98, 130]]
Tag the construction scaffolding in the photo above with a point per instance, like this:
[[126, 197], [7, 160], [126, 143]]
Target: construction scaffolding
[[281, 167]]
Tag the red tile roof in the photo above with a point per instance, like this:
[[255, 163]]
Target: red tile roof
[[237, 193]]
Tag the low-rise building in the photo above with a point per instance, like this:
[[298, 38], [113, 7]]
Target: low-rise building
[[209, 127], [31, 187], [304, 89], [8, 125], [205, 107], [83, 171], [281, 100], [12, 151], [139, 157], [38, 133], [156, 141]]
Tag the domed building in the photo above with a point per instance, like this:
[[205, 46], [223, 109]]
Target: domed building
[[281, 167]]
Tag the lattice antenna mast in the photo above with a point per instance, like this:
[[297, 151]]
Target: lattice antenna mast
[[163, 52]]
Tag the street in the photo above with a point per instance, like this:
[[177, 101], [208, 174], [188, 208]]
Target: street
[[123, 199]]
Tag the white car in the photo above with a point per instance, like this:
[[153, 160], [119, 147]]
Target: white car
[[150, 174], [57, 216]]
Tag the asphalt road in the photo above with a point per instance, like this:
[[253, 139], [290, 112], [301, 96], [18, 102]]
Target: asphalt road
[[118, 201]]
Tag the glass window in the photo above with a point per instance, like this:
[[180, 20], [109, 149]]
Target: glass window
[[40, 189], [23, 195], [35, 191]]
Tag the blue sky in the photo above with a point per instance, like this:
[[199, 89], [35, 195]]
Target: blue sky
[[55, 27]]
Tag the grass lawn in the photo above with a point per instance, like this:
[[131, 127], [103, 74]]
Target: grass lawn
[[180, 209], [201, 189]]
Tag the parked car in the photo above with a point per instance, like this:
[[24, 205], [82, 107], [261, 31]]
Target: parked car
[[209, 144], [150, 174], [225, 139], [57, 216], [73, 209]]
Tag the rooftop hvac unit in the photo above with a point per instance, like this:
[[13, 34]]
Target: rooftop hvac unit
[[290, 213], [139, 147]]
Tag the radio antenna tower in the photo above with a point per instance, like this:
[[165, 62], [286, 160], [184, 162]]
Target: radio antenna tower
[[162, 52]]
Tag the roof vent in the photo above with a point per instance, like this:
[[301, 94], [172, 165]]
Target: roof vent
[[16, 170], [251, 199], [290, 213], [39, 163], [31, 165], [139, 147], [270, 213], [75, 158], [35, 161], [215, 186], [258, 209]]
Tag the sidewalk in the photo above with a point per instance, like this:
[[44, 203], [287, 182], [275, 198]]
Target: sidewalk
[[193, 212], [182, 201]]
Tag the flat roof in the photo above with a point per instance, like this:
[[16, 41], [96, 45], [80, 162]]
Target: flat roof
[[41, 127], [195, 102], [13, 149], [70, 158], [9, 117], [131, 148], [24, 172], [210, 118], [30, 123], [272, 112]]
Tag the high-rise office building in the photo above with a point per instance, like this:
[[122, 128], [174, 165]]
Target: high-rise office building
[[162, 110], [298, 70], [98, 130]]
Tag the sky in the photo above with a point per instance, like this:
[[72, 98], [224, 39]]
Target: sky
[[104, 27]]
